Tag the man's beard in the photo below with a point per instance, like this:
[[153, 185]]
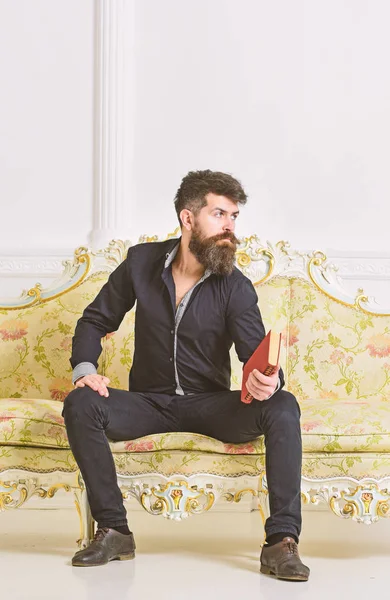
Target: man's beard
[[214, 256]]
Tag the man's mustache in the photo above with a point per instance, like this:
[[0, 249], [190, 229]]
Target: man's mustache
[[226, 236]]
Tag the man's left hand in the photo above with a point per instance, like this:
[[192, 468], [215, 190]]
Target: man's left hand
[[262, 386]]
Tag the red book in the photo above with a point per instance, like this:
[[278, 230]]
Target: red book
[[265, 359]]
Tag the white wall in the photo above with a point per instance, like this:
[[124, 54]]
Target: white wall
[[46, 102], [291, 97]]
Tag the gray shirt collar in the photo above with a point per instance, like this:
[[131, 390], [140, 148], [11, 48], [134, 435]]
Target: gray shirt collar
[[171, 255]]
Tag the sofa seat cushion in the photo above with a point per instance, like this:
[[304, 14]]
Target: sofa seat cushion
[[328, 425], [318, 465], [334, 425], [32, 422], [187, 441], [163, 462], [38, 423], [36, 460], [359, 465]]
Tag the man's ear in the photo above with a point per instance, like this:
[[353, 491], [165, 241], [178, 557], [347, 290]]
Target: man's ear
[[187, 219]]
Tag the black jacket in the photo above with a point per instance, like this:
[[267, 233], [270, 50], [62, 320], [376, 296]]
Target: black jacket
[[221, 310]]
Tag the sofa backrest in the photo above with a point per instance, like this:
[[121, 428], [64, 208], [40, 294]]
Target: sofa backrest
[[35, 344], [330, 349], [336, 351]]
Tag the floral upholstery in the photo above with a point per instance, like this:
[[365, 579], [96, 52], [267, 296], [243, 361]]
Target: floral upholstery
[[327, 426], [26, 422], [314, 465], [38, 423], [35, 344], [335, 351], [336, 361]]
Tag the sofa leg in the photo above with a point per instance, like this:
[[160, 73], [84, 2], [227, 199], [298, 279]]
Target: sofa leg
[[87, 524], [263, 502]]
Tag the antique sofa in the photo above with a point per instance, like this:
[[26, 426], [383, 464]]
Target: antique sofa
[[336, 359]]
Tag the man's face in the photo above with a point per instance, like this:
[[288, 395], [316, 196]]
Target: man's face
[[213, 242]]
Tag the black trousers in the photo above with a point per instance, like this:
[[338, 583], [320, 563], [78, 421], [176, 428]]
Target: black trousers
[[91, 420]]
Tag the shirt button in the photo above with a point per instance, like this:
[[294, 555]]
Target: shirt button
[[172, 331], [171, 359]]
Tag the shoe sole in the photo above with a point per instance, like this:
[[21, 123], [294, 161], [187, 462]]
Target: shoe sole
[[267, 571], [128, 556]]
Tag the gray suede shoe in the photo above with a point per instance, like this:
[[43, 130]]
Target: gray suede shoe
[[107, 545]]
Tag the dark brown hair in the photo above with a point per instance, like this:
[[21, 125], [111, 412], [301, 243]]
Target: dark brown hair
[[197, 184]]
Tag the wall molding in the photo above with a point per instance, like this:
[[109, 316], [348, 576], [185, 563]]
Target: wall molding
[[355, 265], [43, 264], [22, 271], [362, 267], [114, 72]]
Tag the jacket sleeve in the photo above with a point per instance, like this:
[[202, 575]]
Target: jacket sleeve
[[244, 322], [103, 315]]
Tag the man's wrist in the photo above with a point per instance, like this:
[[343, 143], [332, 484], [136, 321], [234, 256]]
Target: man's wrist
[[276, 389], [83, 369]]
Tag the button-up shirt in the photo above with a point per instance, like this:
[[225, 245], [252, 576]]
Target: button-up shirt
[[178, 350]]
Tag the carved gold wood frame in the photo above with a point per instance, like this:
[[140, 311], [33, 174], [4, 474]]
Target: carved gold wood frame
[[177, 497], [278, 260], [77, 269], [364, 501], [17, 493], [316, 275]]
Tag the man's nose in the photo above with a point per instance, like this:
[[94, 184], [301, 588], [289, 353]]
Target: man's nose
[[228, 225]]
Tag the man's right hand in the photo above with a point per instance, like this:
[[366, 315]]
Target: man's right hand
[[96, 382]]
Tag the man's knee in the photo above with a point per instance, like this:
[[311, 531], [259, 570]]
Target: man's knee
[[79, 402], [286, 405]]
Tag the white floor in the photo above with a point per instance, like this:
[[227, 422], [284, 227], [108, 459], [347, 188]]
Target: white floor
[[211, 556]]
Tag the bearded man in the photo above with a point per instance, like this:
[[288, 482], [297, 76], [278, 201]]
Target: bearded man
[[192, 305]]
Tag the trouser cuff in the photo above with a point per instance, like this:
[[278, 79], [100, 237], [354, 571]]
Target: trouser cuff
[[287, 532], [112, 524]]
